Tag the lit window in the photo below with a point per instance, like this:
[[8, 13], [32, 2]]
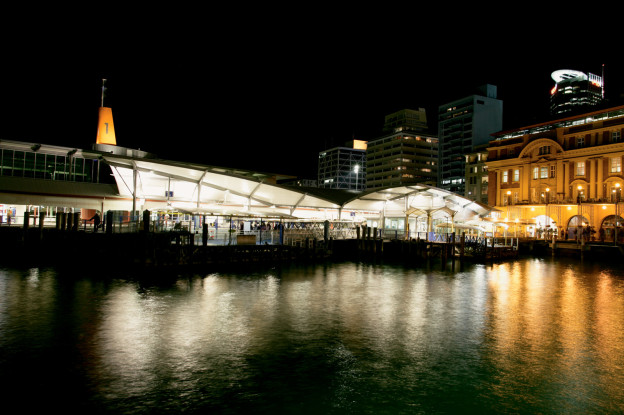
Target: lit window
[[553, 170], [516, 175], [505, 176], [536, 172], [580, 168], [616, 164], [544, 172]]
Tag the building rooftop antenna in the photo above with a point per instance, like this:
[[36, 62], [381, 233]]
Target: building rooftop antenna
[[603, 81]]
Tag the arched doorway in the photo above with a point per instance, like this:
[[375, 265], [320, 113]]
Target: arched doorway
[[575, 226], [608, 226]]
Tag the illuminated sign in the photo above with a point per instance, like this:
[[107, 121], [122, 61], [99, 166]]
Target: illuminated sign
[[106, 129]]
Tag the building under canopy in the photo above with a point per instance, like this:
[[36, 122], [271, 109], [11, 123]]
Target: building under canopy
[[198, 189], [53, 177]]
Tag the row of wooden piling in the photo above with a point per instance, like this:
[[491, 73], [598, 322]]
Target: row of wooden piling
[[369, 241]]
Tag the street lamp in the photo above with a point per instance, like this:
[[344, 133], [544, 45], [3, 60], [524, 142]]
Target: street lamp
[[356, 169], [617, 191], [578, 219], [547, 212]]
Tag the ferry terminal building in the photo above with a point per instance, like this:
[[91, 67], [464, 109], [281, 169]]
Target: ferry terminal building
[[560, 177], [41, 183], [45, 180], [38, 182]]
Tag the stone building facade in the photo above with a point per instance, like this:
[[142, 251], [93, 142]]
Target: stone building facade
[[560, 176]]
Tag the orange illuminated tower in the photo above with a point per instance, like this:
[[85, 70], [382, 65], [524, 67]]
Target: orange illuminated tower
[[106, 128]]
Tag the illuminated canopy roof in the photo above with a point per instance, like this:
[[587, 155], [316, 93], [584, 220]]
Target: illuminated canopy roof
[[201, 189]]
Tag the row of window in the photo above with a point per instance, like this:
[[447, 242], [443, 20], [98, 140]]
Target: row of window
[[615, 166], [542, 172], [476, 179], [615, 137], [48, 166], [574, 142], [546, 172], [516, 176], [613, 194]]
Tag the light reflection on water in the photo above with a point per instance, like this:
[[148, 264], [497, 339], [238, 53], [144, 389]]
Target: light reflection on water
[[531, 336]]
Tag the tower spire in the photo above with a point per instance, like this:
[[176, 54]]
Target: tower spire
[[106, 128]]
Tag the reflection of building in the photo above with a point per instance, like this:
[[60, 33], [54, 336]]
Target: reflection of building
[[575, 92], [462, 125], [562, 174], [343, 167], [406, 155], [477, 175]]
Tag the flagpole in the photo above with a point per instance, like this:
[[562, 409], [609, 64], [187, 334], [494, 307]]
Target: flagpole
[[103, 88]]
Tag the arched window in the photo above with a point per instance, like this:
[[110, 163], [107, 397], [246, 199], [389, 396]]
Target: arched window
[[576, 221], [543, 221], [611, 220]]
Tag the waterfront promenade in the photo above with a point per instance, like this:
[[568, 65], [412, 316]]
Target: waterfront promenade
[[180, 248]]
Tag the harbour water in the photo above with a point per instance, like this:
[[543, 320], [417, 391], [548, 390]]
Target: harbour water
[[527, 336]]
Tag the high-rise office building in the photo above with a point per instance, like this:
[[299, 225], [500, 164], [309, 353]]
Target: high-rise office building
[[406, 120], [343, 167], [406, 155], [477, 174], [462, 125], [575, 92]]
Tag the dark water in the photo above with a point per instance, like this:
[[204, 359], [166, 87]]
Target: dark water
[[532, 336]]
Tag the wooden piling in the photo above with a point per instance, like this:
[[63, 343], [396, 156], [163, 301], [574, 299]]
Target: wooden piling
[[462, 247], [374, 240]]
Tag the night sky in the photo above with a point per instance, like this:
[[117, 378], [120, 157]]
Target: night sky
[[263, 94]]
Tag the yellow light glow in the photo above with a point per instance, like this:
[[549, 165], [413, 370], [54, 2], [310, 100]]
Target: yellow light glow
[[106, 129]]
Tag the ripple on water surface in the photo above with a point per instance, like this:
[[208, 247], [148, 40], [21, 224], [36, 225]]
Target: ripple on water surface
[[534, 335]]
